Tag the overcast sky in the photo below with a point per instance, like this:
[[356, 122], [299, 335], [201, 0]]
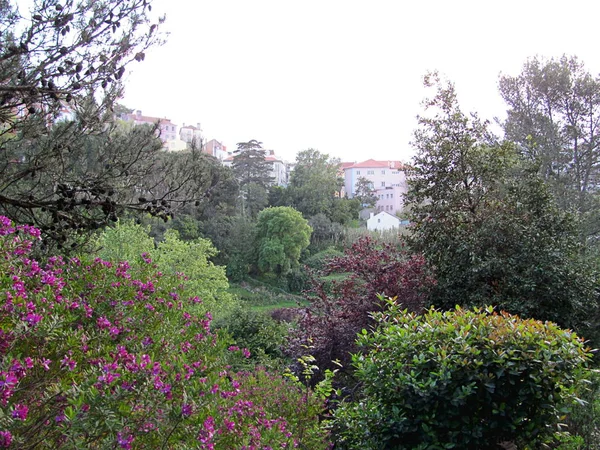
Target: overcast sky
[[343, 76]]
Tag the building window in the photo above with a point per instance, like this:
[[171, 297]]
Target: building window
[[391, 195], [383, 172], [383, 184], [370, 172], [358, 172]]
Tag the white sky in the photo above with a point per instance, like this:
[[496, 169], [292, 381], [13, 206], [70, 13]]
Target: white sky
[[343, 76]]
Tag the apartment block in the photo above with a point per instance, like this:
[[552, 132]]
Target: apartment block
[[388, 179], [167, 129]]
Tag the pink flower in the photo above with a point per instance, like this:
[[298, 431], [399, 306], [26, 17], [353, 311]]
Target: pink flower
[[186, 410], [68, 363], [125, 441], [45, 363], [103, 323], [20, 411], [33, 319], [229, 425], [5, 439]]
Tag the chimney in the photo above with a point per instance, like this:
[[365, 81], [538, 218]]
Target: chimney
[[371, 215]]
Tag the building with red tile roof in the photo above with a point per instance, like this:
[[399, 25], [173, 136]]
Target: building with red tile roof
[[388, 179], [167, 129]]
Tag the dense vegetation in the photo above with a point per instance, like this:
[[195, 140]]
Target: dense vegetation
[[116, 256]]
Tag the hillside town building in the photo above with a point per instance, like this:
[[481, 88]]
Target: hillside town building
[[388, 179]]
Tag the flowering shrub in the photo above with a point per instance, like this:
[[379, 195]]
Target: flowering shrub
[[92, 356], [129, 241]]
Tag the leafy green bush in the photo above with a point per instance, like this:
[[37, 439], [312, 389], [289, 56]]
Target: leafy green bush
[[297, 280], [318, 260], [127, 241], [254, 330], [460, 379]]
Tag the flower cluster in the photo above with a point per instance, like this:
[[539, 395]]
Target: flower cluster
[[95, 354]]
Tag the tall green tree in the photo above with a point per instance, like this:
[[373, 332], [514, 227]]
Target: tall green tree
[[314, 183], [553, 115], [365, 192], [487, 224], [250, 164], [253, 172], [281, 235]]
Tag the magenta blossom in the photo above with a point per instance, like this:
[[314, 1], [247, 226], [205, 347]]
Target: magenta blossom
[[20, 412]]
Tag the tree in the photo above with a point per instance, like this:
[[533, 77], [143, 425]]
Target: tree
[[325, 233], [132, 243], [250, 164], [254, 199], [80, 172], [553, 115], [344, 295], [314, 183], [365, 192], [488, 226], [282, 234]]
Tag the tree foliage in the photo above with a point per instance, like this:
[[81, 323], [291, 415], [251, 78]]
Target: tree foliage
[[281, 235], [553, 114], [487, 225], [460, 379], [250, 165], [78, 172], [314, 183], [172, 256], [365, 192], [343, 296]]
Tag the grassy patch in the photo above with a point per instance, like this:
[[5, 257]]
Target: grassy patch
[[262, 297]]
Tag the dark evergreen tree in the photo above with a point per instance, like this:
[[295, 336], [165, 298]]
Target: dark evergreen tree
[[250, 164]]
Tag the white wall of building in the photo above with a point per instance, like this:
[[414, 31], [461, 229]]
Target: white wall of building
[[382, 221]]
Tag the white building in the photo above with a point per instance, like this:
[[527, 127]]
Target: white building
[[189, 133], [167, 130], [388, 179], [383, 221], [216, 149]]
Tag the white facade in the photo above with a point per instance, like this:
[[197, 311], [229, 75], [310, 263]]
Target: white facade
[[189, 133], [167, 129], [387, 178], [216, 149], [279, 171], [383, 221]]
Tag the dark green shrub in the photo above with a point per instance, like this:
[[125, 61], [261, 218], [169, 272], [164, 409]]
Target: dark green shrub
[[297, 280], [460, 379], [256, 331], [319, 260]]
